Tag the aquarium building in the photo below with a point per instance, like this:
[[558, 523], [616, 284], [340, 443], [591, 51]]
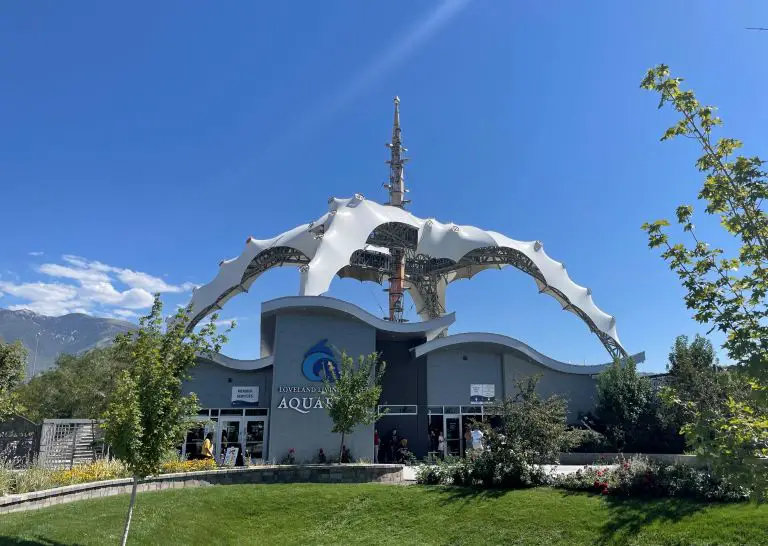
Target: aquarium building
[[435, 383]]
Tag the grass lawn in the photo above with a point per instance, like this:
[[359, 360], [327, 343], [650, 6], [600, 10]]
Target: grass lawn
[[309, 514]]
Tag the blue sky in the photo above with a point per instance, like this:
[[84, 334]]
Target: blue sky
[[141, 144]]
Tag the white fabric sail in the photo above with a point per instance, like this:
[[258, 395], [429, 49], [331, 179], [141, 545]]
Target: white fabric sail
[[324, 248]]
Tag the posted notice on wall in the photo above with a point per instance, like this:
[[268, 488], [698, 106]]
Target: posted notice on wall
[[245, 396], [482, 394]]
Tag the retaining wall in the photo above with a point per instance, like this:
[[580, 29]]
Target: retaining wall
[[382, 473]]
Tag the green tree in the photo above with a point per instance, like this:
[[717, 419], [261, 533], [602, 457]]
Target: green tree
[[13, 363], [726, 291], [78, 387], [147, 414], [630, 412], [623, 399], [353, 393], [695, 379]]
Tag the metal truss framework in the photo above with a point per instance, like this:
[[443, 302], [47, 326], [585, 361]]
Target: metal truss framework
[[423, 272], [272, 257]]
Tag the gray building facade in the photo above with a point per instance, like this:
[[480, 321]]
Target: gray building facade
[[434, 385]]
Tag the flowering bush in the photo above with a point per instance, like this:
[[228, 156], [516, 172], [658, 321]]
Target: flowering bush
[[193, 465], [639, 477], [36, 478], [102, 469], [489, 469]]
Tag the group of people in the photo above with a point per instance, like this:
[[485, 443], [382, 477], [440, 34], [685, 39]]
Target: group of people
[[390, 449], [472, 440]]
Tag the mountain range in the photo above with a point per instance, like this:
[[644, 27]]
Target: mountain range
[[52, 336]]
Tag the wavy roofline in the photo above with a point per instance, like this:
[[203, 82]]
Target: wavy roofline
[[430, 328], [238, 364], [505, 342]]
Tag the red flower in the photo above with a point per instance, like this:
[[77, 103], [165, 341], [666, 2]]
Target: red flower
[[605, 491]]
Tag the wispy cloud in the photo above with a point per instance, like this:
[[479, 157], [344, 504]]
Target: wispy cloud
[[88, 286], [36, 253], [392, 55]]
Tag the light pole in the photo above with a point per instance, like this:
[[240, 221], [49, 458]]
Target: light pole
[[34, 362]]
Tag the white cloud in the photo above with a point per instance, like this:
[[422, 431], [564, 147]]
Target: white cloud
[[105, 293], [137, 279], [91, 289], [56, 270], [36, 253], [40, 291]]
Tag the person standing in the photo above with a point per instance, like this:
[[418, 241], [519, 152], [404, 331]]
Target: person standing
[[477, 439], [467, 439], [441, 445], [394, 445], [376, 446], [207, 451]]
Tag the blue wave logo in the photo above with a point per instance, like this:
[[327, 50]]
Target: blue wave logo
[[318, 360]]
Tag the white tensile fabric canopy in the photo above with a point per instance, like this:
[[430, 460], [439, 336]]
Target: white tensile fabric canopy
[[324, 248]]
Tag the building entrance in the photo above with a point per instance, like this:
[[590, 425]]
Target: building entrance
[[248, 434], [452, 432]]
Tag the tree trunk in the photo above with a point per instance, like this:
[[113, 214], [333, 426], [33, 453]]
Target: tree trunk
[[130, 510], [341, 449]]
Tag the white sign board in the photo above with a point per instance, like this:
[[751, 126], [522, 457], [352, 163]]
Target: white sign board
[[245, 396], [230, 456], [482, 393]]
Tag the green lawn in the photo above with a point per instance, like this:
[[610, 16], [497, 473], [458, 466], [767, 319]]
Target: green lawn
[[309, 514]]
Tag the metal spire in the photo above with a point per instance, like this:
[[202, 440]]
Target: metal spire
[[397, 191], [396, 162]]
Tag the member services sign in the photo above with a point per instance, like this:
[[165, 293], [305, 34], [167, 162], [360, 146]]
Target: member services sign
[[245, 396]]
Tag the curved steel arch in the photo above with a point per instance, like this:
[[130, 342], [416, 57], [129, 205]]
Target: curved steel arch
[[499, 256], [277, 256], [359, 238]]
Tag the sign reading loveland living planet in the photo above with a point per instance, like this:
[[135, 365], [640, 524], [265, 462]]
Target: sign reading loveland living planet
[[245, 396], [482, 394]]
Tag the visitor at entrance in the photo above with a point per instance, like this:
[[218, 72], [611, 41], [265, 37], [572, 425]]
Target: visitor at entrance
[[346, 456], [376, 446], [441, 445], [394, 445], [467, 439], [477, 439], [402, 451], [207, 451]]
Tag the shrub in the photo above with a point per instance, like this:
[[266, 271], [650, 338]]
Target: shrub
[[103, 469], [639, 477], [34, 478], [191, 465], [6, 479], [508, 470], [588, 441], [532, 427]]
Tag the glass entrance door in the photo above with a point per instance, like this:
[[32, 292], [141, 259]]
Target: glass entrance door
[[452, 428], [229, 436], [254, 446]]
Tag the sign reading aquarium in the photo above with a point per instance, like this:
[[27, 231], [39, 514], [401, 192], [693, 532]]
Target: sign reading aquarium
[[482, 394], [245, 396]]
